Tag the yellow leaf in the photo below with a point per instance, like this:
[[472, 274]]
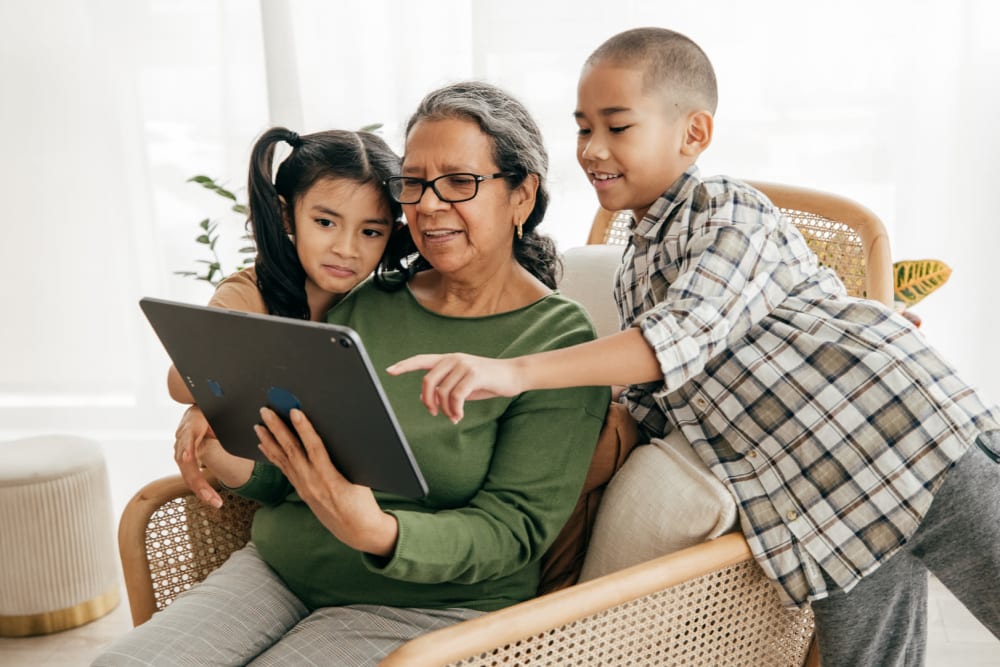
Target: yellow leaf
[[916, 278]]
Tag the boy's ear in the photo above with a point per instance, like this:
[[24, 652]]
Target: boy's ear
[[698, 134]]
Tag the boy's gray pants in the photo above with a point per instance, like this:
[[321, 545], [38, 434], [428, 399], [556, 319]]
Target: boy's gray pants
[[883, 620]]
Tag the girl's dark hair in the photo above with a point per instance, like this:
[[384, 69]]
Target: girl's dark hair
[[361, 157], [517, 148]]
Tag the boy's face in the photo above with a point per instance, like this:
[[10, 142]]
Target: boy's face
[[630, 145]]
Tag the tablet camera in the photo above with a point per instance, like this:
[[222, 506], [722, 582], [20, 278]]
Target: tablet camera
[[345, 342]]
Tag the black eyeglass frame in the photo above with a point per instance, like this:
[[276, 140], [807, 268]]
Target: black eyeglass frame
[[424, 184]]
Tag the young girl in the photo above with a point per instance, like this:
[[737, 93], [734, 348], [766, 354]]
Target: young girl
[[321, 226]]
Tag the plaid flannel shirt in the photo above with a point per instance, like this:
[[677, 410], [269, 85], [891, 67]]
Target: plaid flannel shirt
[[830, 418]]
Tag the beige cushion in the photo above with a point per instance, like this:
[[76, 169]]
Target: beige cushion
[[663, 499], [588, 278]]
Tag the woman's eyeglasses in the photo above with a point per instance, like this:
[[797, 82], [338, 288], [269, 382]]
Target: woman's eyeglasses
[[451, 188]]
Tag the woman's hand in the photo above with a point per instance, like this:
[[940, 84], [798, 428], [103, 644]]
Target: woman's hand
[[194, 446], [349, 511], [452, 379]]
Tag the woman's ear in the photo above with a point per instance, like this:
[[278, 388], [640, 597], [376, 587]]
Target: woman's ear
[[698, 134], [523, 197]]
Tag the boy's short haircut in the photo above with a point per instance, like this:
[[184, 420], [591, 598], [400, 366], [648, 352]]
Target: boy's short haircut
[[672, 63]]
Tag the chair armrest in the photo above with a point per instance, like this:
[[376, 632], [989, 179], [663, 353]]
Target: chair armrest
[[168, 540], [534, 627], [132, 542]]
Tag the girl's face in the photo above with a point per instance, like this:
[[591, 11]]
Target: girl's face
[[469, 238], [341, 229]]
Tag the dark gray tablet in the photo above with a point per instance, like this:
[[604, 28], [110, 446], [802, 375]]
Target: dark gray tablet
[[234, 363]]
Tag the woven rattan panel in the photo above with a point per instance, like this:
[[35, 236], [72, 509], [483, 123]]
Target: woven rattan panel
[[731, 617], [186, 539], [835, 244]]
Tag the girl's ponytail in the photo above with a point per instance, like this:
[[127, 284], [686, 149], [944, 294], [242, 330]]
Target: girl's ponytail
[[280, 276]]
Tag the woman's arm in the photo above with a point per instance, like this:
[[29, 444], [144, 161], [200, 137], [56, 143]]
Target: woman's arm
[[536, 468], [347, 510]]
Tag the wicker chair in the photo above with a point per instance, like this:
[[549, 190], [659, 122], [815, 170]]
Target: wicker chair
[[707, 605], [845, 236]]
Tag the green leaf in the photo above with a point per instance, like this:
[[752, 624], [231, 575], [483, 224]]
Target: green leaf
[[204, 223], [224, 192], [241, 209], [370, 128], [914, 279], [250, 249], [203, 239], [203, 180]]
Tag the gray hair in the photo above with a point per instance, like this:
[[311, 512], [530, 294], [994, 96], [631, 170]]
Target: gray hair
[[517, 148]]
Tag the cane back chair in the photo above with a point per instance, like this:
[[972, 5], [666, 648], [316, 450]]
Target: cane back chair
[[706, 605]]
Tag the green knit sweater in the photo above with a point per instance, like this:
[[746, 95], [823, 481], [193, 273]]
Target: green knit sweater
[[502, 481]]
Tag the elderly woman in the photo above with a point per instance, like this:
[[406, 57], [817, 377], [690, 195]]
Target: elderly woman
[[338, 574]]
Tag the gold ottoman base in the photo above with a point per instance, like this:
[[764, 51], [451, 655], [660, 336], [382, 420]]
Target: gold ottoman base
[[60, 619], [58, 567]]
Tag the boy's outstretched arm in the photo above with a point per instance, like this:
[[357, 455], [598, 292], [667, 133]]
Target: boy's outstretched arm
[[451, 379]]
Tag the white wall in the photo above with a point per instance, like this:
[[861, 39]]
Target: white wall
[[110, 105]]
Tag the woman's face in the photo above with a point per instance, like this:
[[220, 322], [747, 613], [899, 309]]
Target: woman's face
[[471, 237], [341, 229]]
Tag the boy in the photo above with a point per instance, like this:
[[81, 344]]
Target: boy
[[828, 418]]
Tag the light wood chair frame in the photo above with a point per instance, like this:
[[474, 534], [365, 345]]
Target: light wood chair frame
[[542, 631], [826, 220]]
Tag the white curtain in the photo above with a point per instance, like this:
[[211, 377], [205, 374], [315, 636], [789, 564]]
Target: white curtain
[[110, 105]]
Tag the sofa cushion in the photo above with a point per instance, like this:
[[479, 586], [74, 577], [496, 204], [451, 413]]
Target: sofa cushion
[[663, 499], [588, 278], [562, 562]]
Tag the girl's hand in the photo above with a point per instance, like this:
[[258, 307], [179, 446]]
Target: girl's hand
[[452, 379], [191, 437], [349, 511], [195, 446]]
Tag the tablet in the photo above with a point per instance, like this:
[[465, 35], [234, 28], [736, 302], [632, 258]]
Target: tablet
[[234, 363]]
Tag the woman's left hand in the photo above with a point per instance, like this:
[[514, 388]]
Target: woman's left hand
[[349, 511]]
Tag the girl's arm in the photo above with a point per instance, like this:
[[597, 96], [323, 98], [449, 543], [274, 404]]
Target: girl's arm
[[177, 387], [237, 292], [195, 446]]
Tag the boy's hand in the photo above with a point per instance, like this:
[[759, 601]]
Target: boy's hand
[[452, 379]]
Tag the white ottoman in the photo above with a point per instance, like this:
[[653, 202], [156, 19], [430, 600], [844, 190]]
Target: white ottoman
[[58, 565]]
